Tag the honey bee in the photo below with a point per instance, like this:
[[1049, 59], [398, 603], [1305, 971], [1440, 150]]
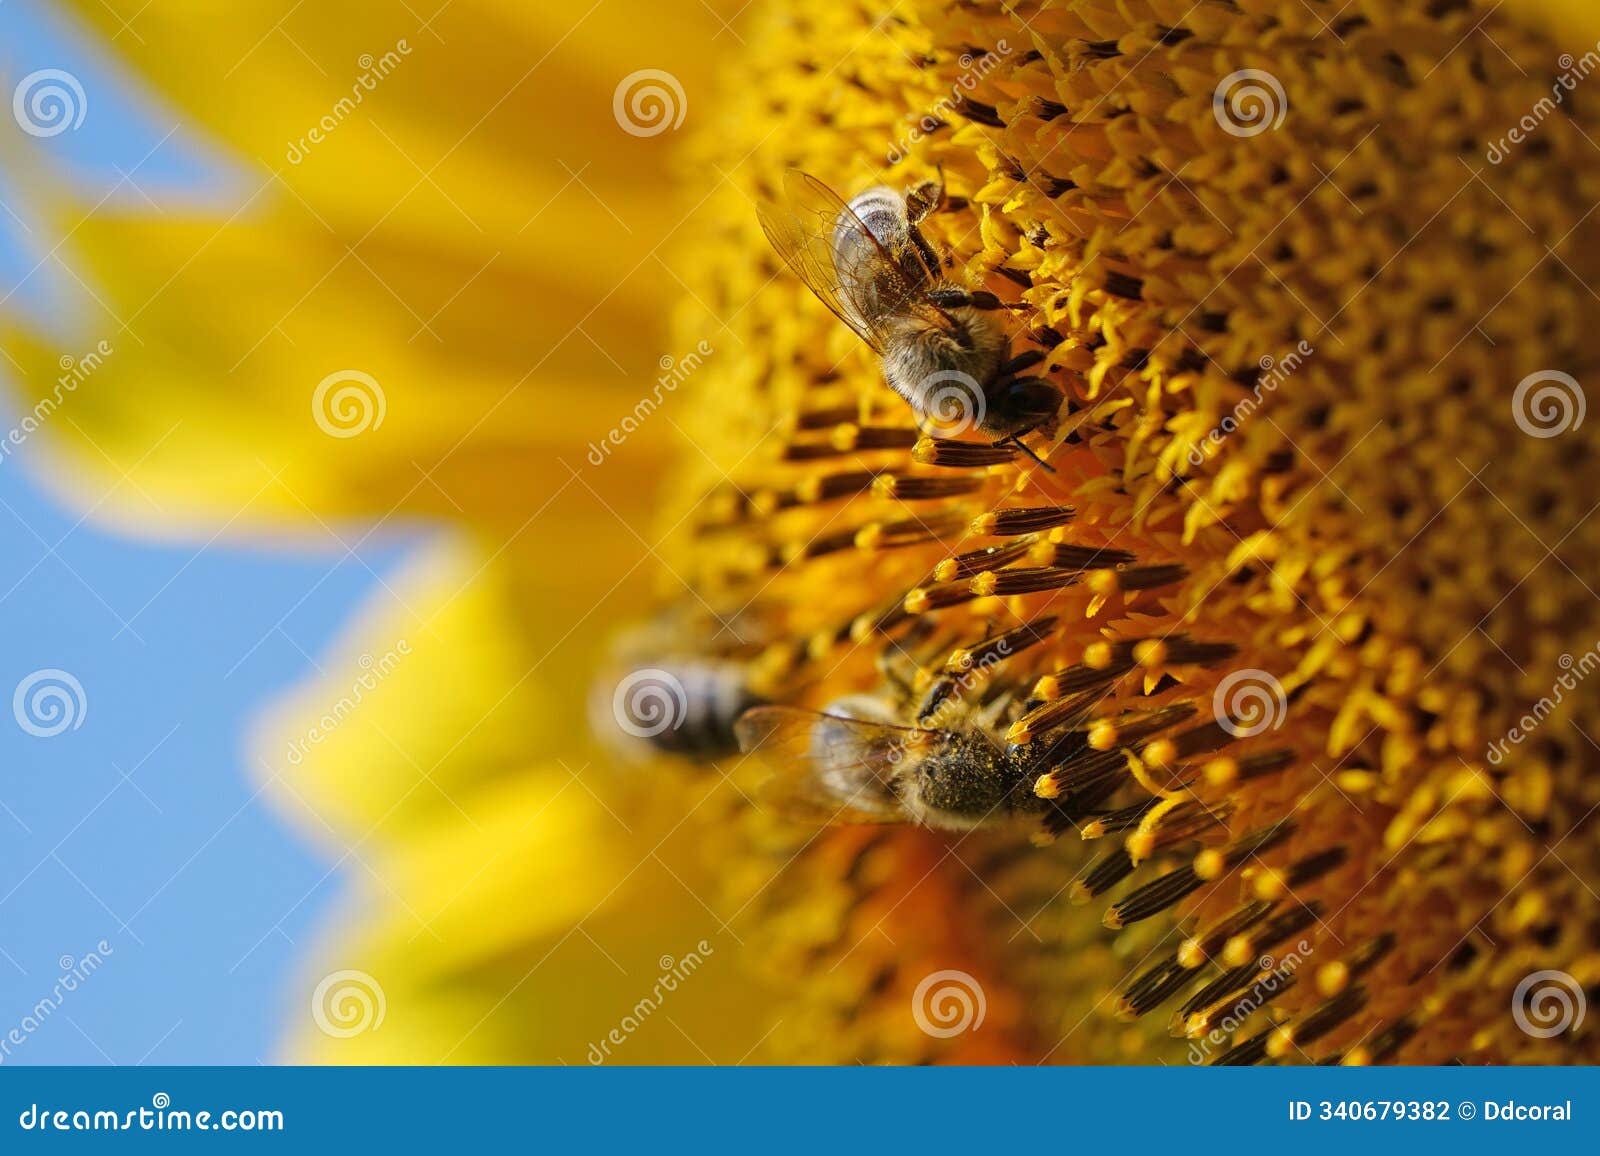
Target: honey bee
[[853, 762], [673, 686], [941, 347]]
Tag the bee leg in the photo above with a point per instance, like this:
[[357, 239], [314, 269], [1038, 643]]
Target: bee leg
[[1022, 361], [898, 663], [955, 297], [891, 673], [924, 198]]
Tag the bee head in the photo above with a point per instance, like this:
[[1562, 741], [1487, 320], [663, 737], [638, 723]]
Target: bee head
[[1021, 404]]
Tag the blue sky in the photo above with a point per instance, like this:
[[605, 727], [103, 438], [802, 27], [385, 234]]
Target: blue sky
[[141, 826]]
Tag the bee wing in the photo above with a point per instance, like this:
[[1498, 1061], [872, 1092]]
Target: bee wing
[[829, 769], [804, 228]]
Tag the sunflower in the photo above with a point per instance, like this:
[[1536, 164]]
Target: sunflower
[[1297, 616], [1291, 613]]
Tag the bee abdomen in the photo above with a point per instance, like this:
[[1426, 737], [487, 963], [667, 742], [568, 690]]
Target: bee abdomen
[[688, 708]]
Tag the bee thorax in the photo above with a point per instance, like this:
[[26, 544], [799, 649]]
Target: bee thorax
[[944, 367], [968, 784]]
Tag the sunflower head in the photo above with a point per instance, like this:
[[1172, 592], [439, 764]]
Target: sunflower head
[[1244, 611]]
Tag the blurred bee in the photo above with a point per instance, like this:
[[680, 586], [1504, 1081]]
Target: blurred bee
[[687, 707], [941, 347], [854, 763], [674, 689]]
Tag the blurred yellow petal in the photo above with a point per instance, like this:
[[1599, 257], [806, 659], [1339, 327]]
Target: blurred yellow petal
[[416, 319], [461, 136], [440, 760], [286, 307]]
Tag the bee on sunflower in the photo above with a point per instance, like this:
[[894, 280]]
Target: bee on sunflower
[[1192, 672], [1225, 658]]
